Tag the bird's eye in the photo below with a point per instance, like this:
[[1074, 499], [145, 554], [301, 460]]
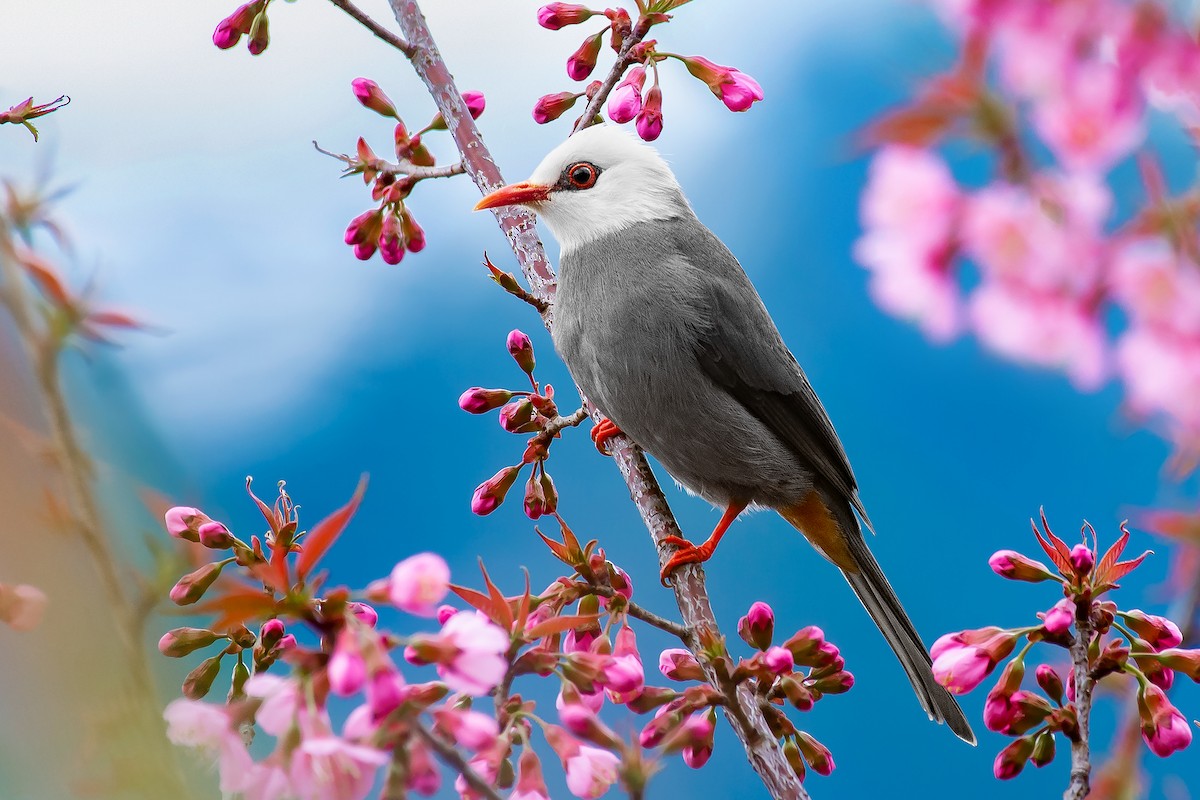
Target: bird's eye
[[582, 175]]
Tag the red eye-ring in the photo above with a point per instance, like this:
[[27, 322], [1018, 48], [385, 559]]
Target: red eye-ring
[[582, 175]]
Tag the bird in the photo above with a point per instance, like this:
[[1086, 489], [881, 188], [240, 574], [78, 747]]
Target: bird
[[662, 329]]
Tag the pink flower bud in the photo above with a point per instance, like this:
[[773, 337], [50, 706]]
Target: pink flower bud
[[191, 587], [697, 735], [808, 647], [666, 720], [1051, 683], [346, 670], [230, 29], [583, 61], [391, 240], [758, 626], [557, 15], [365, 228], [364, 250], [286, 643], [535, 499], [1185, 661], [816, 754], [1011, 760], [521, 349], [444, 613], [779, 660], [471, 729], [226, 36], [1082, 559], [371, 96], [1159, 632], [200, 680], [270, 633], [626, 99], [1164, 729], [737, 90], [1014, 566], [1043, 749], [519, 416], [385, 692], [259, 33], [1060, 617], [678, 664], [478, 400], [183, 522], [552, 106], [363, 613], [475, 102], [582, 722], [414, 234], [419, 583], [490, 494], [837, 682], [530, 783], [962, 660], [215, 536], [649, 121], [182, 641]]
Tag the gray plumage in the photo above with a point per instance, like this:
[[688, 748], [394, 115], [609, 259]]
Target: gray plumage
[[662, 329]]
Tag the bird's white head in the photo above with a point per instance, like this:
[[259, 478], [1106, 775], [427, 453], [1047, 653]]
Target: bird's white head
[[600, 181]]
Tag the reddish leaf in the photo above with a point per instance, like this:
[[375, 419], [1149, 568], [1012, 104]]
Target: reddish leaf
[[523, 605], [1114, 553], [48, 281], [326, 532], [113, 319], [1059, 544], [560, 624], [1123, 568], [482, 602], [916, 126], [1063, 564], [237, 606], [498, 599]]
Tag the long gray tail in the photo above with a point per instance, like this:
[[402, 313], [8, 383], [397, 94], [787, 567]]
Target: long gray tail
[[880, 600]]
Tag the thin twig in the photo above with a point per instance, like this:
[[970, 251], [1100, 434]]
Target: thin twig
[[644, 614], [640, 29], [404, 167], [762, 749], [374, 27], [454, 760], [1081, 765]]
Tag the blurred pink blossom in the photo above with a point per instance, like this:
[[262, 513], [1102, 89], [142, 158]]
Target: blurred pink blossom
[[591, 772], [1093, 122], [479, 663], [419, 583], [329, 768]]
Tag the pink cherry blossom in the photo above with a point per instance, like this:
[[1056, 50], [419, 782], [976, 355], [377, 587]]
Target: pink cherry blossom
[[471, 729], [1058, 619], [330, 768], [194, 723], [346, 670], [1093, 122], [1164, 728], [479, 663], [1155, 287], [282, 700], [419, 583], [591, 772]]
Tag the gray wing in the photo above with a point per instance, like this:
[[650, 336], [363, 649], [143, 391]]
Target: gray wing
[[742, 351]]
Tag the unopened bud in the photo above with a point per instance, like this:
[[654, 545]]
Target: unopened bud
[[183, 522], [678, 664], [181, 641], [259, 34], [191, 587], [490, 494], [549, 492], [796, 693], [1011, 760], [478, 400], [816, 754], [1159, 632], [758, 626], [791, 751], [1014, 566], [835, 683], [521, 349], [1043, 749], [215, 536], [583, 61], [535, 499], [371, 96], [552, 106], [554, 16], [1082, 559], [519, 416], [200, 680], [1051, 683], [270, 633]]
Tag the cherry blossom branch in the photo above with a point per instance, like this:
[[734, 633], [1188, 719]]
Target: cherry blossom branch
[[1081, 765], [592, 110], [453, 759], [374, 27], [762, 749], [644, 614], [402, 167]]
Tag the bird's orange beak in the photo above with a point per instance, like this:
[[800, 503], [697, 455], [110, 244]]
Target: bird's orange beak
[[515, 194]]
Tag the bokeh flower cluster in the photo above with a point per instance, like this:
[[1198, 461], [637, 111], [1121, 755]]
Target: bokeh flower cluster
[[1059, 94], [439, 703], [1103, 643], [637, 95]]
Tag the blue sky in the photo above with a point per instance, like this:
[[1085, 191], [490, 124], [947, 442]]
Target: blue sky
[[201, 205]]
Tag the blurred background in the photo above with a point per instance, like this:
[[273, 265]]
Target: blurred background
[[198, 205]]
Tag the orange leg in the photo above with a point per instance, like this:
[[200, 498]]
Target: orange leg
[[689, 553], [604, 430]]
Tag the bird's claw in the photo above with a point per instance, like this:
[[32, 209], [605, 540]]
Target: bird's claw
[[604, 430], [686, 553]]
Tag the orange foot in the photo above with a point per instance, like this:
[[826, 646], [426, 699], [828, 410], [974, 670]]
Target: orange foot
[[604, 430], [687, 553]]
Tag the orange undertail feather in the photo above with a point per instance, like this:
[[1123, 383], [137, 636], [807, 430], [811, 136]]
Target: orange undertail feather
[[814, 519]]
